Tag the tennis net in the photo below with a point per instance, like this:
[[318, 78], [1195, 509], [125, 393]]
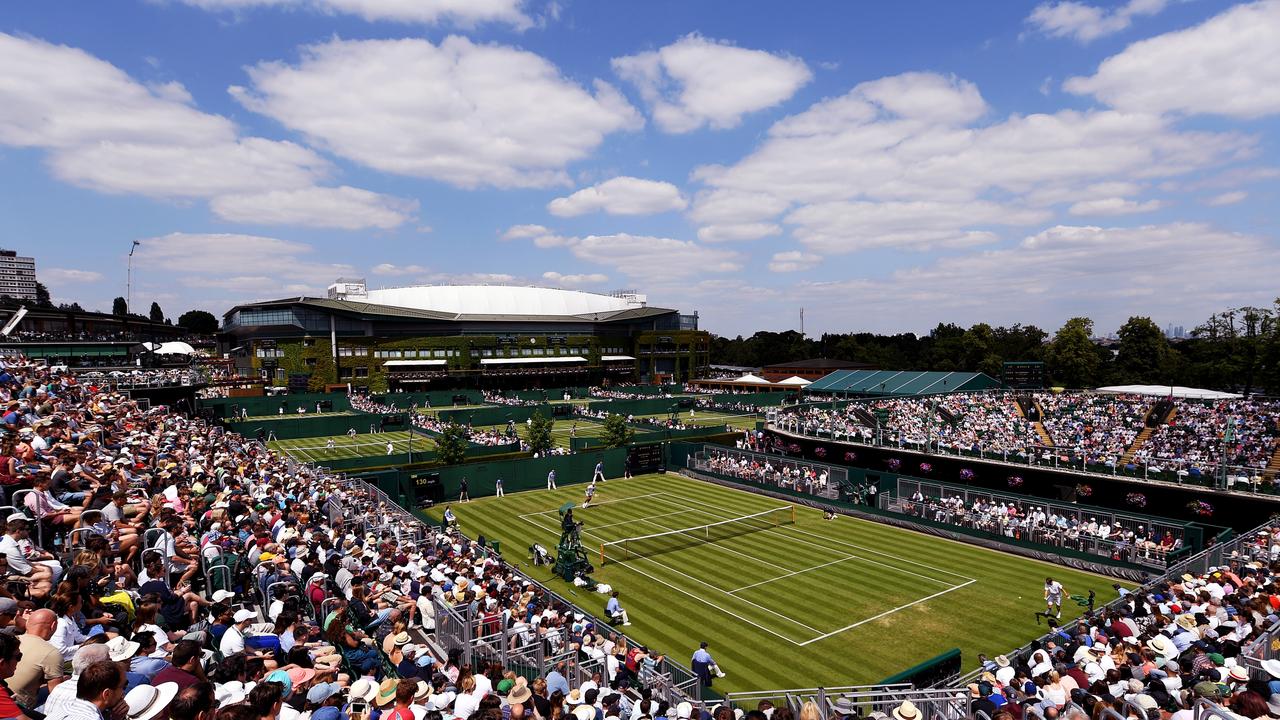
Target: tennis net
[[649, 545]]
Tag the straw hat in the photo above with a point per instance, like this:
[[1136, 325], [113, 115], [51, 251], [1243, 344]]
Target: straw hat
[[906, 711], [519, 692], [362, 689], [584, 712], [147, 701]]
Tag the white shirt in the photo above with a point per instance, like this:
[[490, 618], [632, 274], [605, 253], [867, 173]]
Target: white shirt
[[67, 638], [232, 642]]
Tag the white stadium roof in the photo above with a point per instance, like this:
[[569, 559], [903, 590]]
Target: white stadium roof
[[501, 300], [1177, 391]]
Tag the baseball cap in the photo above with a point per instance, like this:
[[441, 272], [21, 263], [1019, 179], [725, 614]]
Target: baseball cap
[[322, 691], [8, 606], [242, 614]]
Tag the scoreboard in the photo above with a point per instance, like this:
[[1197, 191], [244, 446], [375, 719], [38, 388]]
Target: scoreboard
[[1023, 375], [645, 458]]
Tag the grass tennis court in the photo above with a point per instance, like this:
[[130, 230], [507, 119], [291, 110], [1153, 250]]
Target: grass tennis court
[[709, 418], [561, 432], [445, 408], [836, 602], [314, 449]]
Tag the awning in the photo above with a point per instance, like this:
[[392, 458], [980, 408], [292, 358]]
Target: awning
[[795, 380], [414, 363], [752, 379], [176, 347], [1169, 390], [531, 360], [611, 358]]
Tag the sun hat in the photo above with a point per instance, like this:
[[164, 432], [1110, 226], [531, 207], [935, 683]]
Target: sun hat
[[424, 691], [1001, 661], [845, 706], [301, 676], [575, 698], [282, 677], [386, 693], [1238, 674], [520, 692], [147, 701], [906, 711], [586, 712], [362, 689], [322, 691], [1272, 667], [227, 695], [402, 639], [122, 648]]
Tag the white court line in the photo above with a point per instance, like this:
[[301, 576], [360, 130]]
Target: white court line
[[834, 550], [605, 502], [716, 543], [698, 597], [883, 614], [796, 572]]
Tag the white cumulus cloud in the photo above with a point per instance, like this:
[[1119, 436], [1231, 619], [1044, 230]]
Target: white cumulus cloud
[[341, 207], [1223, 66], [620, 196], [1084, 22], [574, 279], [68, 276], [696, 81], [1227, 198], [253, 267], [793, 261], [1113, 206], [463, 113], [466, 13], [645, 256], [390, 269]]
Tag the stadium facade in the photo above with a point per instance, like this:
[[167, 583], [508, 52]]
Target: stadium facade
[[420, 337]]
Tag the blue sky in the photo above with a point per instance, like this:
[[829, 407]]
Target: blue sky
[[886, 166]]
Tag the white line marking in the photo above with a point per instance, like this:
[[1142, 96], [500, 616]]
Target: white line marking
[[700, 582], [628, 522], [834, 550], [883, 614], [716, 543], [795, 572], [878, 552]]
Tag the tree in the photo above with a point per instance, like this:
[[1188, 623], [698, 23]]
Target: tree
[[42, 296], [1071, 358], [451, 446], [540, 433], [616, 433], [199, 322], [71, 307], [1144, 353], [119, 307], [156, 314], [378, 383]]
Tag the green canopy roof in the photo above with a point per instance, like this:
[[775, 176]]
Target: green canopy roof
[[901, 382]]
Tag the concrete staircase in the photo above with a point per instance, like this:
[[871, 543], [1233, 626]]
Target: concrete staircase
[[1038, 427], [1147, 432], [1273, 465]]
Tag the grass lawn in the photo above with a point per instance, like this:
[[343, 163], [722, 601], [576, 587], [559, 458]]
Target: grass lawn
[[441, 408], [286, 416], [561, 433], [314, 450], [817, 602]]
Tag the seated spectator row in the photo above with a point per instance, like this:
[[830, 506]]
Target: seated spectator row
[[1096, 429]]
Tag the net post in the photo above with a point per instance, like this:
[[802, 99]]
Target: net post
[[601, 554], [793, 514]]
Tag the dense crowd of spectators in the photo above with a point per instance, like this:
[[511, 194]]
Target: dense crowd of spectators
[[772, 471], [1162, 649], [155, 566], [1198, 433], [1085, 428], [1118, 537], [429, 422]]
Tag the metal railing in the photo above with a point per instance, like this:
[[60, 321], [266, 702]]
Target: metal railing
[[954, 505], [799, 475], [1061, 459]]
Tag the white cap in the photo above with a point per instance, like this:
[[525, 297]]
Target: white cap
[[243, 614]]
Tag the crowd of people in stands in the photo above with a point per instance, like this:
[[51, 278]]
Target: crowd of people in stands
[[1158, 651], [91, 336], [772, 471], [497, 398], [1085, 429], [155, 566], [429, 422], [1117, 537], [618, 392], [1239, 432]]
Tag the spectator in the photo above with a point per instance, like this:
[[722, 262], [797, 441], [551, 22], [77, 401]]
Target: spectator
[[42, 663]]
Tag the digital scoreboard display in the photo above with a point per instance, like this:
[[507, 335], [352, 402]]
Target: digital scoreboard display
[[1024, 375], [644, 458]]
